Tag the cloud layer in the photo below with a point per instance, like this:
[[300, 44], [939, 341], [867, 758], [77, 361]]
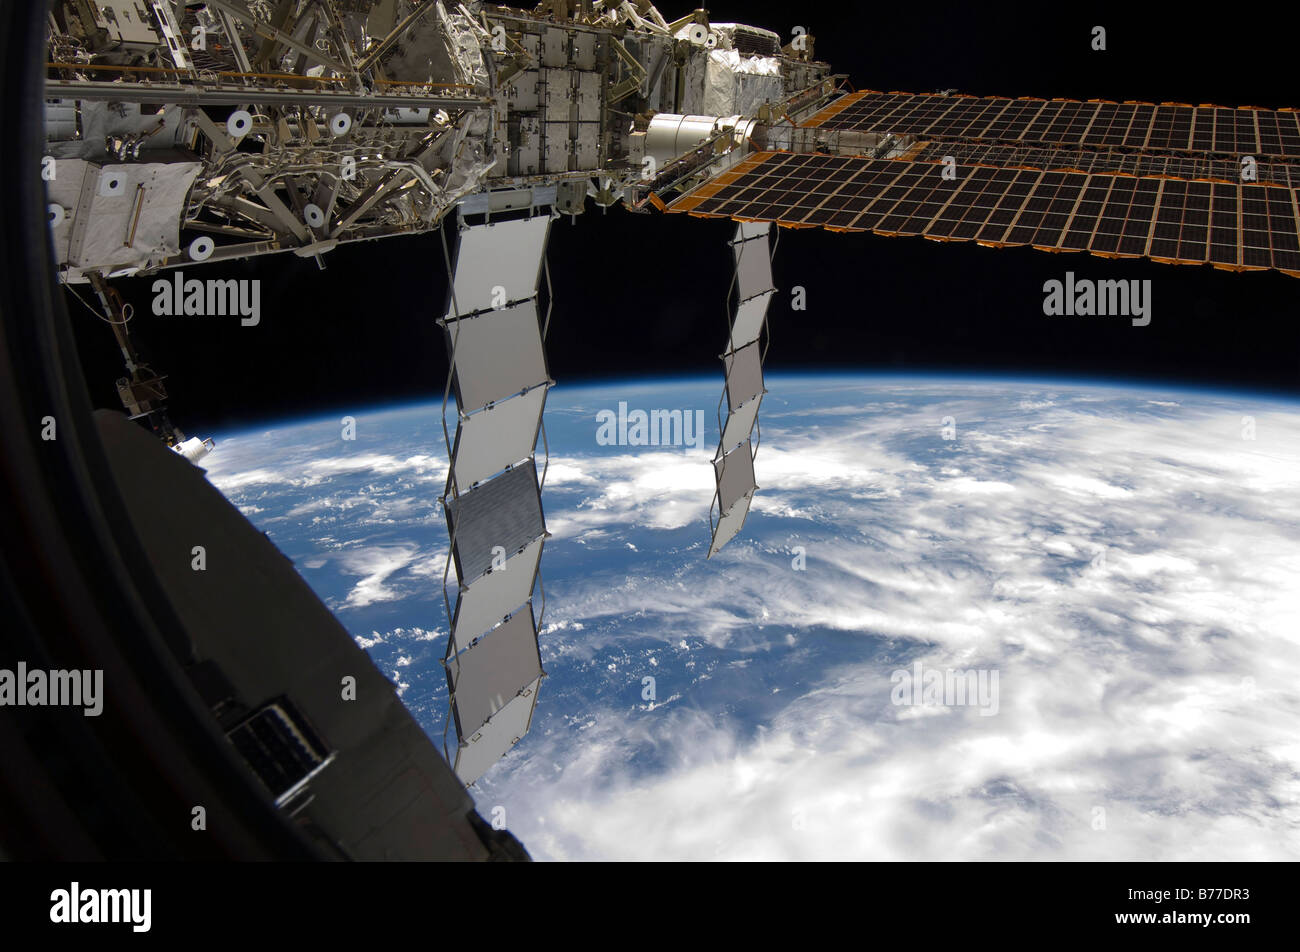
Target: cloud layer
[[1124, 560]]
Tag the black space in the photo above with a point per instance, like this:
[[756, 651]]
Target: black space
[[645, 294]]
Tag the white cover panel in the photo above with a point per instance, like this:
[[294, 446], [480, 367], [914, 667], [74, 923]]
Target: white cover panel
[[96, 226], [559, 93], [497, 354], [692, 81], [735, 473], [555, 48], [65, 190], [589, 97], [735, 84], [729, 525], [528, 154], [498, 517], [587, 145], [558, 146], [480, 752], [584, 50], [523, 92], [490, 440], [749, 321], [504, 254], [739, 424], [754, 268], [491, 673], [744, 371], [495, 595]]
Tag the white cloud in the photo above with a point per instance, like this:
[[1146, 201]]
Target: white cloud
[[1126, 565], [375, 564], [1125, 678]]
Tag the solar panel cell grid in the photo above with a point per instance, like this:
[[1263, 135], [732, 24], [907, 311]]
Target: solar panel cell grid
[[1162, 127], [1141, 215], [1058, 212], [1139, 130], [1083, 222], [1087, 160], [1270, 138], [1169, 220], [1037, 129], [1282, 221], [886, 108], [964, 116], [1247, 132], [1202, 129], [1078, 124], [1193, 239], [938, 110], [1008, 207], [1284, 226], [1225, 130], [1120, 125], [1037, 204], [1180, 130], [1009, 118], [984, 118], [1169, 127], [1288, 130], [1229, 224], [1224, 223], [947, 218], [966, 204], [921, 213]]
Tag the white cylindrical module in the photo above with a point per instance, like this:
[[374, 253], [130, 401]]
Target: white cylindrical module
[[670, 135], [741, 128], [194, 449], [400, 115]]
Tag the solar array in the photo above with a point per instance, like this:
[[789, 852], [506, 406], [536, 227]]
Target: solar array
[[1173, 127], [1112, 162], [493, 495], [1230, 225], [742, 360]]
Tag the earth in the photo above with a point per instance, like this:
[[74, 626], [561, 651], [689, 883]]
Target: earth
[[1110, 571]]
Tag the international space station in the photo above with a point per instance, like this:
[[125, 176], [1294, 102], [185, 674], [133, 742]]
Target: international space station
[[185, 133]]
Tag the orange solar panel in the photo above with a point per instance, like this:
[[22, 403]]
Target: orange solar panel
[[834, 108], [1070, 123], [1227, 224]]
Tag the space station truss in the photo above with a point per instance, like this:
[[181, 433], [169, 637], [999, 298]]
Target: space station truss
[[492, 500], [240, 128], [742, 361]]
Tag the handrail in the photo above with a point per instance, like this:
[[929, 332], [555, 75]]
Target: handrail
[[235, 74]]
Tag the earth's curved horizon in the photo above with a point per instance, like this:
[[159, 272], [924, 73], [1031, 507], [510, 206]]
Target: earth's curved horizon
[[1117, 562]]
